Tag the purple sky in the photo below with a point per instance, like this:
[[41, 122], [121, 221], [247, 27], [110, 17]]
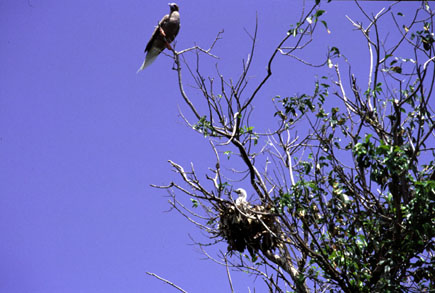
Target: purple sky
[[82, 136]]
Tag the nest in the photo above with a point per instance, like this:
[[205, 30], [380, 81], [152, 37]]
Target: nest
[[252, 228]]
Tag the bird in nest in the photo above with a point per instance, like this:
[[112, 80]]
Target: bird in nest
[[241, 201]]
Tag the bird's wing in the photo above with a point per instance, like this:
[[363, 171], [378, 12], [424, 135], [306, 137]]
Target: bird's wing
[[156, 34], [171, 26]]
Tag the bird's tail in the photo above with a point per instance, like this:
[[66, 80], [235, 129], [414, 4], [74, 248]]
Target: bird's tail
[[150, 58], [142, 67], [147, 62]]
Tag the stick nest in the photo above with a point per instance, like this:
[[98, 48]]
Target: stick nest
[[253, 228]]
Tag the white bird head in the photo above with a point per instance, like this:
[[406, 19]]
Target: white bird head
[[242, 193]]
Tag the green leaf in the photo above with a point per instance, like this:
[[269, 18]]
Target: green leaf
[[194, 202], [335, 51], [326, 26], [396, 69], [319, 13]]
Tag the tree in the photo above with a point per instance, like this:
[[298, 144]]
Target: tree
[[346, 204]]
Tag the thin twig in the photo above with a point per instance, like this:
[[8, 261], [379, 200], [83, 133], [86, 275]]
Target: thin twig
[[167, 282]]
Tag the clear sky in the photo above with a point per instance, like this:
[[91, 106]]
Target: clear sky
[[82, 136]]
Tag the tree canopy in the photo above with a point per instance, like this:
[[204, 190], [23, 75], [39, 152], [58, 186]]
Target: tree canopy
[[342, 189]]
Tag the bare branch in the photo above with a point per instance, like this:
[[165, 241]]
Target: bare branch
[[167, 282]]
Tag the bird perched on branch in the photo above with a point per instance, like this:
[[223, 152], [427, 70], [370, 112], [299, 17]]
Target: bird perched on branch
[[163, 35]]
